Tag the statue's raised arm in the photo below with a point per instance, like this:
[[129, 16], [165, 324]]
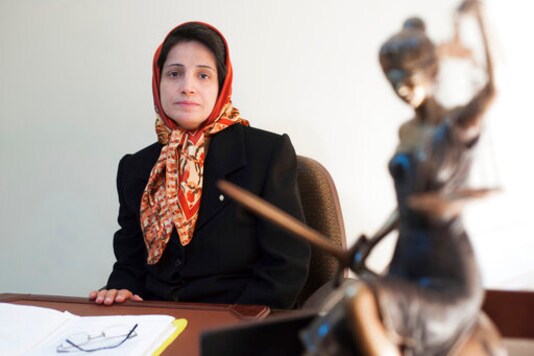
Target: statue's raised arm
[[469, 118]]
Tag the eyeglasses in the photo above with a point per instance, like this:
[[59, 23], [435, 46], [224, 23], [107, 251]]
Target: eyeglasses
[[109, 338]]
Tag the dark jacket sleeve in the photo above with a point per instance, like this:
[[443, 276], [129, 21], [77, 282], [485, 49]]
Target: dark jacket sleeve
[[129, 270], [283, 268]]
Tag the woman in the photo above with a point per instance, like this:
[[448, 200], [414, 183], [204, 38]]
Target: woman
[[180, 238]]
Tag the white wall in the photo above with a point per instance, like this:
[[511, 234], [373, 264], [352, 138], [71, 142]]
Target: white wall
[[75, 96]]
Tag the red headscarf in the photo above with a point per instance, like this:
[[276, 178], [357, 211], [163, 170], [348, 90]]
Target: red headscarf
[[172, 195]]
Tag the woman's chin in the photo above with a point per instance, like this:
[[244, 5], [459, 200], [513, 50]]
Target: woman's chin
[[188, 124]]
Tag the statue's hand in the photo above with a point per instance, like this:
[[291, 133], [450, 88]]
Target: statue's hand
[[470, 7]]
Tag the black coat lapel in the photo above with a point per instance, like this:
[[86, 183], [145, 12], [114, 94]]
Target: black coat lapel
[[226, 154]]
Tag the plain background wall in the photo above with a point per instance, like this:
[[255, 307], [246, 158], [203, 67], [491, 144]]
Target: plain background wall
[[75, 96]]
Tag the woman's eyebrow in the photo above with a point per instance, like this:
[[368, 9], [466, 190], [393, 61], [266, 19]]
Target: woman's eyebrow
[[205, 66], [174, 65]]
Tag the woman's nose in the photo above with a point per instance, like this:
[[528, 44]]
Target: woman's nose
[[188, 85]]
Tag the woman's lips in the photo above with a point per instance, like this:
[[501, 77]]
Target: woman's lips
[[186, 103]]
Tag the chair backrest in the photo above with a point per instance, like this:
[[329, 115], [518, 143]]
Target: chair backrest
[[323, 213]]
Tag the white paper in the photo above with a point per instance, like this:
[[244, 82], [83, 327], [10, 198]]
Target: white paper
[[26, 330], [22, 327]]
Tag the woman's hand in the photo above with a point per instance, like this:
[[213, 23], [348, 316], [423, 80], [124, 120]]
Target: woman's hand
[[110, 296]]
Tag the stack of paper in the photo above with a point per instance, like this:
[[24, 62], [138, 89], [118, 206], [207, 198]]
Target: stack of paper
[[28, 330]]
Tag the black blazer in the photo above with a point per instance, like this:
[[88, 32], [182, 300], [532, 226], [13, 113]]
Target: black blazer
[[234, 256]]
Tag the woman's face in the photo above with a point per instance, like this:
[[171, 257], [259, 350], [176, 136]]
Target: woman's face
[[412, 88], [189, 84]]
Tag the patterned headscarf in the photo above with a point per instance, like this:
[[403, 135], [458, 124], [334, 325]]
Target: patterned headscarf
[[172, 194]]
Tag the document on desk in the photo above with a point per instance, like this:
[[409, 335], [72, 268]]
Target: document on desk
[[29, 330]]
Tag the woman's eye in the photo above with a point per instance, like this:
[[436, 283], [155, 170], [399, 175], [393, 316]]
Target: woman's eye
[[174, 74], [203, 76]]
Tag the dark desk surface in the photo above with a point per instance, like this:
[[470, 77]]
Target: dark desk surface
[[200, 317]]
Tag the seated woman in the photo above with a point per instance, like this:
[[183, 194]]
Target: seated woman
[[180, 238]]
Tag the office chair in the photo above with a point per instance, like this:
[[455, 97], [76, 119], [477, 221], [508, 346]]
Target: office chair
[[323, 213]]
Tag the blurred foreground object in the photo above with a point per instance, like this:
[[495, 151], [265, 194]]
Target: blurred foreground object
[[428, 302]]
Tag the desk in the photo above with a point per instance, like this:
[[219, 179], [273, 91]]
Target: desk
[[511, 311], [200, 317]]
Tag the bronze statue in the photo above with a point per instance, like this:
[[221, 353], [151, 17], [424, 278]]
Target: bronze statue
[[431, 295], [428, 302]]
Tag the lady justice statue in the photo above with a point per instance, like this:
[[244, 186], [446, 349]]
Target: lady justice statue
[[428, 301]]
